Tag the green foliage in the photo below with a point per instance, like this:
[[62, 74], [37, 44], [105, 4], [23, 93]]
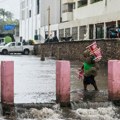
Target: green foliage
[[8, 39], [5, 14]]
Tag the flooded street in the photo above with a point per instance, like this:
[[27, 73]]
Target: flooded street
[[35, 81]]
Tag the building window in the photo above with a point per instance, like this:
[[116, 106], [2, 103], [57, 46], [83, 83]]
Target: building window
[[68, 7], [75, 33], [36, 32], [29, 13], [91, 30], [67, 32], [82, 32], [61, 33], [94, 1], [109, 26], [38, 6], [82, 3], [99, 31]]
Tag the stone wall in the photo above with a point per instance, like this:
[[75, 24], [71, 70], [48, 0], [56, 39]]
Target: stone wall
[[73, 50]]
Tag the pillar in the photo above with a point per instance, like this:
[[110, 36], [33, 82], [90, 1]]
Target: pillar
[[87, 32], [63, 82], [105, 30], [7, 86], [114, 79], [7, 82], [94, 31], [116, 23], [78, 36]]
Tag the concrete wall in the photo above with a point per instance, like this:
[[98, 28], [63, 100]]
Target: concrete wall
[[73, 50]]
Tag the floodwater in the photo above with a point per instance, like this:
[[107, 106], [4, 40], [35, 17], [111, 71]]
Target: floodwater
[[34, 80], [35, 83]]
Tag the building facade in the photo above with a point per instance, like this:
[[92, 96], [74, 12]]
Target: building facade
[[89, 19], [38, 18], [81, 19]]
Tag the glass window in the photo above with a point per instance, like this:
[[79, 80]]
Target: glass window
[[29, 13], [91, 30], [19, 44], [61, 33], [82, 32], [94, 1], [67, 32], [75, 33], [68, 7], [82, 3], [99, 31], [38, 6], [12, 44]]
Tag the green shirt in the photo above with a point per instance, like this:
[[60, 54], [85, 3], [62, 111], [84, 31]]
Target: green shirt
[[87, 66]]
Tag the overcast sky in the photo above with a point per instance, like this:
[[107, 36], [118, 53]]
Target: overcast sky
[[12, 6]]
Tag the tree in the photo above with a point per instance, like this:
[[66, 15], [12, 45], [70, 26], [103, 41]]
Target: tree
[[5, 14], [9, 15], [2, 13]]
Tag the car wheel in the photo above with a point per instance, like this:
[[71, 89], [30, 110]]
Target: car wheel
[[4, 52], [26, 52]]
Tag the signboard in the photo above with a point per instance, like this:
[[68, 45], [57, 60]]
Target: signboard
[[9, 27]]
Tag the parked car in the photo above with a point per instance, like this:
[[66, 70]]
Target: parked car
[[16, 47]]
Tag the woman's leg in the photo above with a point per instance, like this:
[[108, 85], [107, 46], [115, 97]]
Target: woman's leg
[[85, 83], [85, 86], [94, 83], [95, 86]]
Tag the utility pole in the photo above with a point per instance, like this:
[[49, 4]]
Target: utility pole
[[49, 22]]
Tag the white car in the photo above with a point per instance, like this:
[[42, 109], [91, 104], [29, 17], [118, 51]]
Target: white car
[[16, 47]]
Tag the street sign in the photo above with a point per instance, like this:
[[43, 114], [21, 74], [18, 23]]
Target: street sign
[[9, 27]]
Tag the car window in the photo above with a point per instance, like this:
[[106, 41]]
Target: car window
[[19, 44], [10, 45], [13, 44]]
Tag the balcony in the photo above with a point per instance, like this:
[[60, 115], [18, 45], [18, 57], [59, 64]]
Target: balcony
[[67, 16]]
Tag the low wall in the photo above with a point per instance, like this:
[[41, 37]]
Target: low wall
[[73, 50]]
